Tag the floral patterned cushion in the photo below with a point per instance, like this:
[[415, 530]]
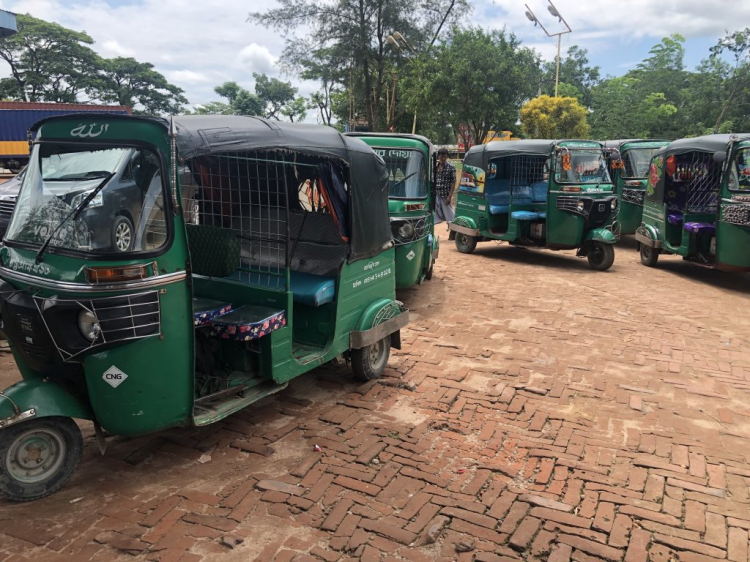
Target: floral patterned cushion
[[700, 227], [248, 323], [205, 310]]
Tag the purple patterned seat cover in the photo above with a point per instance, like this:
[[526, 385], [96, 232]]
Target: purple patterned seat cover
[[248, 323], [205, 310], [700, 227], [674, 218]]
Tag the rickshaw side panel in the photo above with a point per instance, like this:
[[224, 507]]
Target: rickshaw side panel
[[410, 263], [564, 230], [732, 243], [147, 385]]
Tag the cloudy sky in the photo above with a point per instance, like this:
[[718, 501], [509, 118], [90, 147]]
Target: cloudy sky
[[198, 45]]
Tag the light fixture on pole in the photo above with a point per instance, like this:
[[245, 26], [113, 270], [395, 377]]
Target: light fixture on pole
[[394, 39], [555, 13]]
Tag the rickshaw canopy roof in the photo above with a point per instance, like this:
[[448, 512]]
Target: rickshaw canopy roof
[[707, 143], [405, 136], [481, 154]]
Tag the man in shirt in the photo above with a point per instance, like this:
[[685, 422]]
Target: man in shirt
[[445, 182]]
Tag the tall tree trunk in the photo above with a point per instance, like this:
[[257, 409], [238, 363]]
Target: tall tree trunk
[[364, 45]]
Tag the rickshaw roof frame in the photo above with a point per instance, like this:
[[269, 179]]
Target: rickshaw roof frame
[[620, 143], [481, 154], [204, 135], [706, 143], [407, 136]]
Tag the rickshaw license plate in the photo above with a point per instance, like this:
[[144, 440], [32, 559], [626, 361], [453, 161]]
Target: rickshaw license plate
[[601, 207], [27, 324]]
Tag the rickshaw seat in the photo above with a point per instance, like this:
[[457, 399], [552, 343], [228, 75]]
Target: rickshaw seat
[[700, 228], [307, 288], [499, 209], [205, 310], [539, 192], [248, 322], [524, 215], [674, 218]]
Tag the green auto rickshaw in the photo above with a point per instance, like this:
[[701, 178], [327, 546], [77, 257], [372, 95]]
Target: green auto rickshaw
[[254, 251], [698, 203], [538, 193], [629, 161], [410, 162]]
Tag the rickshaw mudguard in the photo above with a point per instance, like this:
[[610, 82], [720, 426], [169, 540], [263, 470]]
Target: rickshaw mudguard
[[465, 225], [39, 398], [648, 235], [600, 235], [384, 317]]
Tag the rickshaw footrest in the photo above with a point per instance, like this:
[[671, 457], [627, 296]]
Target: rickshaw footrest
[[210, 412]]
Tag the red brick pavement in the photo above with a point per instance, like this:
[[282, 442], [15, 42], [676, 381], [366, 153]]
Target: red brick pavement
[[537, 411]]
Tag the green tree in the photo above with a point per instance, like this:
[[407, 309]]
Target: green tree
[[296, 110], [125, 81], [351, 37], [737, 79], [273, 94], [547, 117], [478, 78], [48, 62]]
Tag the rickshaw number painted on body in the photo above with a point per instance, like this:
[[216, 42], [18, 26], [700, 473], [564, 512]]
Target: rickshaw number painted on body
[[373, 277], [114, 377]]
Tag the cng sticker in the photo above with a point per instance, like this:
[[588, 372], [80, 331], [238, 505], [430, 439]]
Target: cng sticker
[[114, 377], [410, 255]]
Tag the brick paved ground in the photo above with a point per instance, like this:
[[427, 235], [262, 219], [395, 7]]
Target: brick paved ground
[[538, 411]]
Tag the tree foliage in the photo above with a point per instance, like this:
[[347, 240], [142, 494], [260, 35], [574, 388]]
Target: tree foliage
[[272, 99], [478, 78], [350, 39], [548, 117]]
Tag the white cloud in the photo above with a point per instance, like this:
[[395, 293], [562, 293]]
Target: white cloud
[[199, 45], [257, 58]]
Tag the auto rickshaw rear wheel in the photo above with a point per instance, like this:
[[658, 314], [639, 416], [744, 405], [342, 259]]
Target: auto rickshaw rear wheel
[[428, 272], [37, 457], [601, 256], [369, 362], [649, 255], [465, 244]]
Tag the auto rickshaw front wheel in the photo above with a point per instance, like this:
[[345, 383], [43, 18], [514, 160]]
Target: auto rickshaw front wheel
[[465, 244], [649, 255], [38, 457], [601, 256], [369, 362]]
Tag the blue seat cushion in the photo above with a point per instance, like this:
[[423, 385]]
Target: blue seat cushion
[[674, 218], [307, 288], [539, 192], [205, 310], [499, 209], [700, 227], [524, 215], [542, 214], [248, 323]]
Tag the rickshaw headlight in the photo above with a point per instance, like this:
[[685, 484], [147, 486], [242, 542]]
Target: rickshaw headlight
[[613, 204], [580, 206], [88, 324], [406, 230]]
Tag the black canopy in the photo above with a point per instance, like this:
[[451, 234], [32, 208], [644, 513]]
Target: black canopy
[[210, 134], [707, 143], [481, 154]]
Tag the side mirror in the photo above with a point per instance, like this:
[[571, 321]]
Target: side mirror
[[719, 157]]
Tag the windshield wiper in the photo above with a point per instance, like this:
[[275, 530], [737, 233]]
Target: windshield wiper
[[403, 180], [73, 214]]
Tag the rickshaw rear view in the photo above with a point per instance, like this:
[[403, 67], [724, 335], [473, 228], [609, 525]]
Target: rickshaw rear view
[[258, 251]]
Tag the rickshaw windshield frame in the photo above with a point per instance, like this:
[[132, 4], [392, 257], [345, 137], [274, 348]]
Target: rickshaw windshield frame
[[592, 149], [425, 169], [109, 256], [627, 151]]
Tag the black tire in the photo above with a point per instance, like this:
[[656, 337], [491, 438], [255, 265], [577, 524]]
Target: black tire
[[465, 244], [56, 441], [428, 272], [649, 255], [601, 256], [369, 362], [123, 234]]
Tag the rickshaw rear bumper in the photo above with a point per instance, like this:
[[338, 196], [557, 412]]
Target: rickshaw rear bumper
[[464, 230], [363, 338], [39, 398]]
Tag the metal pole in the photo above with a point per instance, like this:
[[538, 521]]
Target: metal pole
[[414, 125], [557, 74]]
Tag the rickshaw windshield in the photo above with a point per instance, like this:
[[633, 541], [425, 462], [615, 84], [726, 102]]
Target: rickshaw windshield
[[125, 212], [739, 171], [637, 162], [407, 173], [587, 166]]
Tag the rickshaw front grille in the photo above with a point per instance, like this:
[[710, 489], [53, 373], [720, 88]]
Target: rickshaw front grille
[[128, 317], [633, 196]]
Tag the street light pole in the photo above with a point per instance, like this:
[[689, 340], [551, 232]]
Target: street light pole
[[552, 10], [394, 40]]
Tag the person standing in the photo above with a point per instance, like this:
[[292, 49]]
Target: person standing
[[445, 182]]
